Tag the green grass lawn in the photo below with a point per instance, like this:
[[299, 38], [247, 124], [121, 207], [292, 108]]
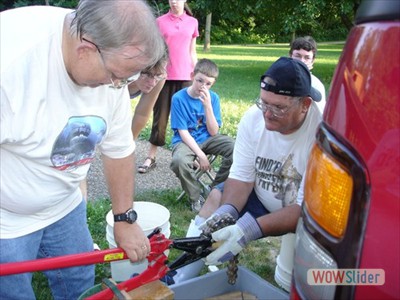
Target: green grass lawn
[[237, 86]]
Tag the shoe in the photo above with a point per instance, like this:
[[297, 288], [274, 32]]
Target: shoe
[[193, 230], [144, 169], [197, 205]]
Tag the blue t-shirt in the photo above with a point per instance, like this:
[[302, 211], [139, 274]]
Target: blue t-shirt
[[187, 113]]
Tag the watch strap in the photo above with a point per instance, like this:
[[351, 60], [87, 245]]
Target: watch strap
[[129, 216]]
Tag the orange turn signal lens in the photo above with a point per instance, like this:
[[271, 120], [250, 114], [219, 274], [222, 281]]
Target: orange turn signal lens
[[328, 190]]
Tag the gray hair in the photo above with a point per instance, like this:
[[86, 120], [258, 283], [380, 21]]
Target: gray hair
[[159, 66], [114, 24]]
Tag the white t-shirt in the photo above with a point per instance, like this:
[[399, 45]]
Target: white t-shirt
[[318, 85], [274, 162], [50, 127]]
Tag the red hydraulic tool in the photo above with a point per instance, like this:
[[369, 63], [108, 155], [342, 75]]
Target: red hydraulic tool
[[194, 249]]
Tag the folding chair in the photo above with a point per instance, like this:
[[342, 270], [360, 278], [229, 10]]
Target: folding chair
[[200, 173]]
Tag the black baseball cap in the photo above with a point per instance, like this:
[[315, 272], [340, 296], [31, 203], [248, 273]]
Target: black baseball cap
[[292, 79]]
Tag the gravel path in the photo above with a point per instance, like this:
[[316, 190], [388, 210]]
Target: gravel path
[[160, 178]]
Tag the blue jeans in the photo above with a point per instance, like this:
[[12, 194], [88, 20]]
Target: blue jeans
[[69, 235]]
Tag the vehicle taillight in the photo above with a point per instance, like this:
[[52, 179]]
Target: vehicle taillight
[[310, 254], [328, 192]]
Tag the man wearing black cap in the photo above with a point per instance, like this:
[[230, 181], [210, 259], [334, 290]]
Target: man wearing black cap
[[273, 142]]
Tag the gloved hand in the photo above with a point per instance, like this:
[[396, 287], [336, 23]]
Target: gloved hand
[[226, 208], [207, 225], [234, 238]]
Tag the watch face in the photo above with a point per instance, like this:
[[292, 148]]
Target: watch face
[[131, 216]]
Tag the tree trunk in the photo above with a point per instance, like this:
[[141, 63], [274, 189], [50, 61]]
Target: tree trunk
[[207, 33]]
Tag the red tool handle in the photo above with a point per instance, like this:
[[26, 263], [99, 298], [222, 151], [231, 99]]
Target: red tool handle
[[157, 269], [72, 260]]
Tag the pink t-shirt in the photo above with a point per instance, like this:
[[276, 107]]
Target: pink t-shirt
[[178, 33]]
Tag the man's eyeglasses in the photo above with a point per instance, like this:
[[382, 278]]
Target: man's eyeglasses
[[276, 111], [121, 82], [124, 82], [152, 76]]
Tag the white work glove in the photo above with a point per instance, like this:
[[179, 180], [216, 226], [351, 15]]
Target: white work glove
[[234, 238], [226, 208], [222, 210]]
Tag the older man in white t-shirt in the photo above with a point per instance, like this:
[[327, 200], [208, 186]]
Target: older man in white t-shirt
[[63, 97]]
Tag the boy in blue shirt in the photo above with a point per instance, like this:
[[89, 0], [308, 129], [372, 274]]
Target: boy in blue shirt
[[195, 121]]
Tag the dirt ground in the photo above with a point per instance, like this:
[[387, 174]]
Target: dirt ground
[[160, 178]]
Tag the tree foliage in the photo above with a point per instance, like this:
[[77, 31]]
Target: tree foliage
[[276, 21], [255, 21]]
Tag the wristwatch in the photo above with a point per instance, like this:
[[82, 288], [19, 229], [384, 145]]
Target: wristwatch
[[129, 216]]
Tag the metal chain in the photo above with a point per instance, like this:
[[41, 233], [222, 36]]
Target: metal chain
[[233, 269], [215, 223]]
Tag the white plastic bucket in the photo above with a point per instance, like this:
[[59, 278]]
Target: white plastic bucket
[[284, 261], [150, 216]]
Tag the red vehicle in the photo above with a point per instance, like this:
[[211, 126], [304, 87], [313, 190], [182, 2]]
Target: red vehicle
[[351, 212]]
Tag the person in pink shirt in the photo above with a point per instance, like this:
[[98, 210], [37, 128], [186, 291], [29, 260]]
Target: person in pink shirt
[[179, 30]]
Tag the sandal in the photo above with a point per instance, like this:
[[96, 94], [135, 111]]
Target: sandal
[[144, 169]]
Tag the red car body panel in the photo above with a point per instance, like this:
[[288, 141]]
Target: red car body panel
[[366, 112], [363, 116]]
